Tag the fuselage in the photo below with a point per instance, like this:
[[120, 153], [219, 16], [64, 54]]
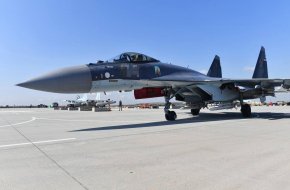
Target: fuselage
[[126, 72], [131, 76], [150, 78]]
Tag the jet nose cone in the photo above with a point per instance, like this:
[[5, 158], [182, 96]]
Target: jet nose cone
[[68, 80]]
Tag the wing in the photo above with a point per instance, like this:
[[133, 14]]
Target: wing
[[189, 79], [193, 88]]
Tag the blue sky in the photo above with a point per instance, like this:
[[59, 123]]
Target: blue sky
[[38, 36]]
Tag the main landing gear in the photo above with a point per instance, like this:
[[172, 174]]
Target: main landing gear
[[195, 111], [246, 110], [169, 115]]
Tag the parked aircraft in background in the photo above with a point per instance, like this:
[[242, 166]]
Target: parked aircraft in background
[[101, 103], [79, 101], [149, 78], [281, 90], [84, 101]]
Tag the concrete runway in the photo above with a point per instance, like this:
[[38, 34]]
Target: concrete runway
[[138, 149]]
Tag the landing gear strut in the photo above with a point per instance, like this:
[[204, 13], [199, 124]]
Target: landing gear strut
[[169, 115], [246, 110]]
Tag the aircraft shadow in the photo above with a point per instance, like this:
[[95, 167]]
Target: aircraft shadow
[[203, 117]]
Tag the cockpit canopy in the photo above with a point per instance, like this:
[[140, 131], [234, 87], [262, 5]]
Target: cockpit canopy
[[131, 57]]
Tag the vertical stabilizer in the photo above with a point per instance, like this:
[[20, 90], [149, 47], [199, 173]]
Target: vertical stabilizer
[[215, 69], [261, 69], [98, 96]]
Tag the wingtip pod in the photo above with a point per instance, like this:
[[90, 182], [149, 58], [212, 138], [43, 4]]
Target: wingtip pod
[[261, 69], [215, 69]]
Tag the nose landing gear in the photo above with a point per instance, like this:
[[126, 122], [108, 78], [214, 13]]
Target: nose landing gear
[[169, 115]]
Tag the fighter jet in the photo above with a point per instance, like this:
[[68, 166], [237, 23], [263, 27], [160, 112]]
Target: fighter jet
[[79, 101], [101, 103], [84, 101], [149, 78]]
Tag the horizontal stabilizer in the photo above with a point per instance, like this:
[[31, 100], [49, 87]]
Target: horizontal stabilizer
[[215, 69], [261, 69]]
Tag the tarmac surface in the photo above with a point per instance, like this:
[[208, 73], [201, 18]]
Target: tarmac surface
[[138, 149]]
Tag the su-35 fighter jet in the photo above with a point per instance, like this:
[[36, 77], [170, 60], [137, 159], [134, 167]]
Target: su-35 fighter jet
[[149, 78]]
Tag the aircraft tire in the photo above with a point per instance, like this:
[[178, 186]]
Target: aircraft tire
[[170, 116], [195, 111], [246, 110]]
